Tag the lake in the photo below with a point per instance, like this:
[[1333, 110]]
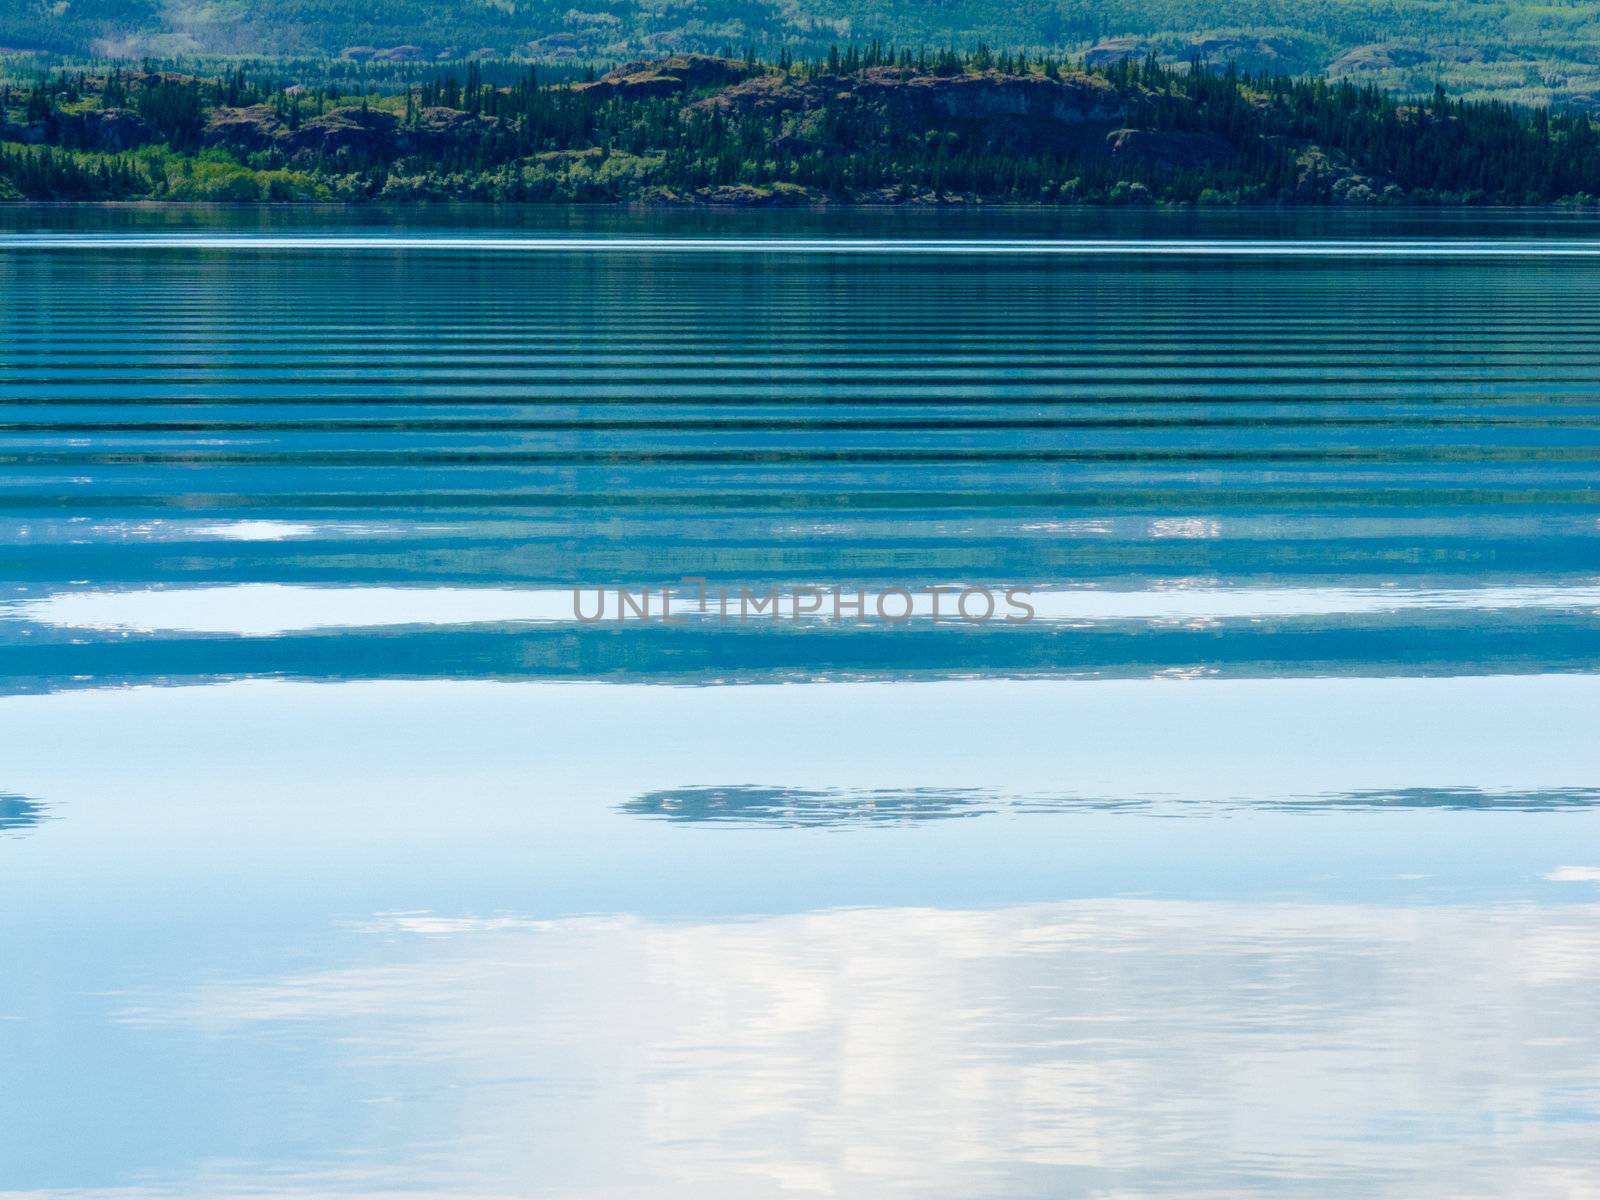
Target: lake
[[1232, 828]]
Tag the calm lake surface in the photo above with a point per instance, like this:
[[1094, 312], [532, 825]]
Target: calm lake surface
[[340, 858]]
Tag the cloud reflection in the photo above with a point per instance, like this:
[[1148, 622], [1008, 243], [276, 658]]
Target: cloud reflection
[[1099, 1048], [276, 609], [1574, 875]]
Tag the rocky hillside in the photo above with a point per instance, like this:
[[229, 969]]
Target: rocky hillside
[[875, 129], [1533, 51]]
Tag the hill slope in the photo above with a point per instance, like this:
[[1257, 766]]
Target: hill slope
[[1535, 51], [855, 129]]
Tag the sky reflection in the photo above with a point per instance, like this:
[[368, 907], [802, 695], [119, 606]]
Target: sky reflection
[[370, 872], [1099, 1048], [386, 896]]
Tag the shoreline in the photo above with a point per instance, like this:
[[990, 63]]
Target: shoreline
[[1574, 208], [879, 130]]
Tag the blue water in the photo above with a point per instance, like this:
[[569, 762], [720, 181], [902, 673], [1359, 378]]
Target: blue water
[[340, 857]]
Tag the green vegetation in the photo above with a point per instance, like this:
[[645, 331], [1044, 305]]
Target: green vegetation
[[869, 125], [1533, 50]]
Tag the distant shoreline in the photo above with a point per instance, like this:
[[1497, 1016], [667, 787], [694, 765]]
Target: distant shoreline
[[1589, 208], [873, 129]]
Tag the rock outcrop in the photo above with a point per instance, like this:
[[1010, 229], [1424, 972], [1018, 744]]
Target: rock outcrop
[[249, 129], [670, 76], [1282, 55], [114, 130], [1376, 58], [1169, 149], [1108, 51], [111, 130], [366, 132], [1321, 172], [1034, 109], [363, 133], [776, 195], [436, 128]]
